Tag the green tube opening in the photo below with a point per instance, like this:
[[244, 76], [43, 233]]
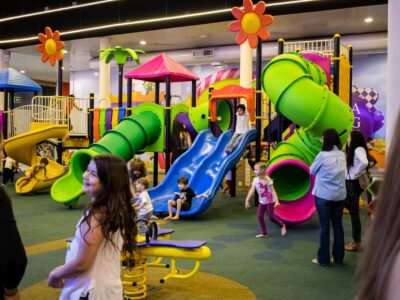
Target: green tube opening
[[73, 180], [224, 112], [291, 182]]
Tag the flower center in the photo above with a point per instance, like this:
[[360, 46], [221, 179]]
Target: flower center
[[250, 23], [50, 46]]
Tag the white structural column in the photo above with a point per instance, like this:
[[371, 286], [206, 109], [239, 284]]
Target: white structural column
[[393, 88], [5, 56], [246, 71], [104, 75], [246, 64]]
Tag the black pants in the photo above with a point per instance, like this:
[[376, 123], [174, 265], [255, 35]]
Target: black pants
[[12, 271], [8, 175], [352, 204], [176, 154]]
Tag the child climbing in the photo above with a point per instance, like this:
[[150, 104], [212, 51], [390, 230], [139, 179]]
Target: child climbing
[[268, 199], [242, 126], [183, 199], [142, 205], [35, 170]]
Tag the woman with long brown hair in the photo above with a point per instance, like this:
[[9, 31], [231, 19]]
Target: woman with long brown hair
[[379, 268], [107, 230]]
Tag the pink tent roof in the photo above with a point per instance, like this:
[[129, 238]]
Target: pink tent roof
[[158, 68]]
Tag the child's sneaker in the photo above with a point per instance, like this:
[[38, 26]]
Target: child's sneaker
[[261, 235]]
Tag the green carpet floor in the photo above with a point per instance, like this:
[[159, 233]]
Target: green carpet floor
[[272, 268]]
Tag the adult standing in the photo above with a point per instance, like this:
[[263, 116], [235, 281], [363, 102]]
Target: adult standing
[[8, 171], [180, 140], [12, 253], [329, 167], [357, 163]]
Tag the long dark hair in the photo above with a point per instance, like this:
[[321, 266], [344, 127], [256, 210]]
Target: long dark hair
[[136, 164], [112, 208], [178, 132], [382, 246], [357, 140], [331, 139]]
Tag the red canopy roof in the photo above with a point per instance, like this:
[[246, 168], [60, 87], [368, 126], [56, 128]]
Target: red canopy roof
[[158, 68]]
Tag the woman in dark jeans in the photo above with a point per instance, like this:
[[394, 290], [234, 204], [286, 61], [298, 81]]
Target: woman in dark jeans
[[329, 167], [357, 163], [12, 253]]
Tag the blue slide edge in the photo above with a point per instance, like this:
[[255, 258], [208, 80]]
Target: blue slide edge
[[205, 164]]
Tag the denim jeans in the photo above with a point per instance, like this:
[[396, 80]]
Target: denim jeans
[[330, 212]]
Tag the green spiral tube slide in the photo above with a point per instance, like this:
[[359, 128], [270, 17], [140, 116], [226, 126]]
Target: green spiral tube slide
[[297, 88], [132, 134]]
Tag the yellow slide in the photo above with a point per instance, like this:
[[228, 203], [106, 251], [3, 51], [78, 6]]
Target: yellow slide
[[23, 148]]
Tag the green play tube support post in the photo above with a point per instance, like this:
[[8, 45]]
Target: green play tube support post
[[129, 136], [298, 90]]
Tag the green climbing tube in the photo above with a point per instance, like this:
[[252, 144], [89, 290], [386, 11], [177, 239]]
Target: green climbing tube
[[132, 134], [297, 88]]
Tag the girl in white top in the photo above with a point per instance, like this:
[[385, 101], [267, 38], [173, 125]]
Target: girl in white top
[[143, 205], [357, 163], [268, 199], [92, 266]]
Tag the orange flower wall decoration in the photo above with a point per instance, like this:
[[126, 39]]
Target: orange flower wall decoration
[[51, 46], [251, 23]]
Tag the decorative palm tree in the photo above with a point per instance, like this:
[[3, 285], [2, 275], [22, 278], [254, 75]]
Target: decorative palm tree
[[120, 54]]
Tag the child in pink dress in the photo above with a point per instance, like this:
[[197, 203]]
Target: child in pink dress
[[268, 199]]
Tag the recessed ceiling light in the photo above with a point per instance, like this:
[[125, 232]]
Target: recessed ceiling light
[[96, 73], [368, 20], [65, 51], [23, 71], [203, 36], [62, 68], [143, 42]]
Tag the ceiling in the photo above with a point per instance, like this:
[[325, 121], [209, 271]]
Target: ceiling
[[305, 25]]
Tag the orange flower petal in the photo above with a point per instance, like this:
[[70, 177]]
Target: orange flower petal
[[260, 8], [60, 45], [237, 12], [234, 26], [42, 38], [44, 57], [266, 20], [52, 60], [56, 35], [59, 55], [40, 48], [248, 6], [241, 38], [263, 33], [48, 32], [253, 41]]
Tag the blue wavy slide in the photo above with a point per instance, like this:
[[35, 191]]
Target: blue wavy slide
[[205, 165]]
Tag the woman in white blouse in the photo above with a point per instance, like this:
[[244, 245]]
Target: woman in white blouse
[[357, 163]]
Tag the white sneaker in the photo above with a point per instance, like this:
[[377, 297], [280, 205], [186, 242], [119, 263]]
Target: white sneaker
[[261, 236]]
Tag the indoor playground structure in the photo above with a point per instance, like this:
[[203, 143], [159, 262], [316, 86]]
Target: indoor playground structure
[[306, 85]]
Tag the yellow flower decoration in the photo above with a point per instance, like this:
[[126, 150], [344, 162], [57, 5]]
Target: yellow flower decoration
[[50, 46], [251, 23]]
